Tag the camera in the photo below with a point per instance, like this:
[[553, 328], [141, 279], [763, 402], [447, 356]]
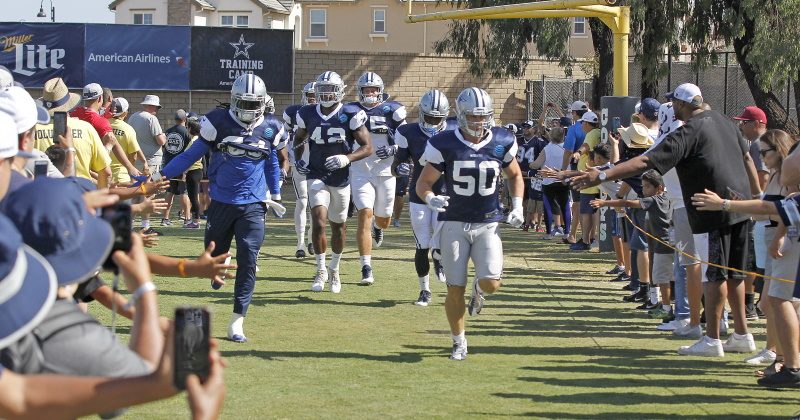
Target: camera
[[119, 217]]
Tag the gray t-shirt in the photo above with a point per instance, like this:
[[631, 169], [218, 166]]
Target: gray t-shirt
[[755, 154], [147, 128], [659, 215]]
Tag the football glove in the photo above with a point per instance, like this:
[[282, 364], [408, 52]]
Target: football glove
[[384, 152], [335, 162], [302, 167], [437, 203], [515, 217], [403, 169]]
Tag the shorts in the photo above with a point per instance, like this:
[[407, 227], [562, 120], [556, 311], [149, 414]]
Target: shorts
[[638, 240], [759, 244], [576, 195], [300, 185], [615, 224], [204, 186], [154, 163], [176, 187], [536, 206], [751, 249], [424, 226], [374, 192], [728, 247], [662, 268], [686, 241], [785, 268], [587, 208], [335, 199], [401, 186], [479, 242], [526, 192]]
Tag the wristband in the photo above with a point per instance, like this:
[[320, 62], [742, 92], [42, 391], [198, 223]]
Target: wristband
[[726, 205], [428, 196], [516, 202], [71, 149], [143, 188], [182, 267], [144, 288]]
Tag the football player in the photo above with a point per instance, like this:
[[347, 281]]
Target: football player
[[330, 129], [470, 159], [411, 140], [373, 183], [243, 166], [298, 179]]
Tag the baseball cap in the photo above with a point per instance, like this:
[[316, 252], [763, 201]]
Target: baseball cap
[[6, 78], [119, 106], [649, 107], [687, 92], [180, 115], [9, 138], [565, 121], [528, 124], [92, 91], [27, 282], [18, 103], [636, 136], [57, 98], [152, 100], [579, 106], [752, 113], [192, 116], [52, 218], [589, 117]]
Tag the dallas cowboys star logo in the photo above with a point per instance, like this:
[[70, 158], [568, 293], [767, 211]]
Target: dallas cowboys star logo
[[241, 47]]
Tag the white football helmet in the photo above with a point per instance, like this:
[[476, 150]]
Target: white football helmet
[[308, 89], [329, 89], [370, 79], [248, 98], [433, 110], [474, 101]]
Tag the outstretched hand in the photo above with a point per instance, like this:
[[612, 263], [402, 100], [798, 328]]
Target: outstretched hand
[[213, 268]]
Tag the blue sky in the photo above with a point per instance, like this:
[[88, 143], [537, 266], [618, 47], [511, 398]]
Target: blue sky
[[81, 11]]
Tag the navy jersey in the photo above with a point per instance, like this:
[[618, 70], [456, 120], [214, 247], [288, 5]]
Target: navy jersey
[[411, 142], [329, 136], [243, 161], [382, 122], [471, 172], [527, 153], [290, 125]]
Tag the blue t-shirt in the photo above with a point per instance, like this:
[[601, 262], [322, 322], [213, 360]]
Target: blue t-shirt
[[575, 137]]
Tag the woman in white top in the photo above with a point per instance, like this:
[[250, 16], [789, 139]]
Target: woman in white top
[[555, 191]]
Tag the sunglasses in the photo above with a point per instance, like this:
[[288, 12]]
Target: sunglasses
[[764, 152]]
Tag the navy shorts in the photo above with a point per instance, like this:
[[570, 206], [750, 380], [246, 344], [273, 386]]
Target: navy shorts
[[638, 240], [586, 207]]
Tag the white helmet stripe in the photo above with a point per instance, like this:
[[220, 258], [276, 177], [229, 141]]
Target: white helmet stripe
[[436, 96]]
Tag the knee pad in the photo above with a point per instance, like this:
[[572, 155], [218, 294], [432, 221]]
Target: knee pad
[[421, 262]]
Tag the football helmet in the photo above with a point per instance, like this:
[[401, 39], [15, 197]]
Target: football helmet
[[248, 98], [308, 89], [433, 110], [329, 89], [474, 102], [370, 79]]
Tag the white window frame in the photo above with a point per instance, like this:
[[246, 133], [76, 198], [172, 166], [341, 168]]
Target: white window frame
[[375, 20], [143, 15], [324, 23], [246, 24], [222, 23], [575, 23]]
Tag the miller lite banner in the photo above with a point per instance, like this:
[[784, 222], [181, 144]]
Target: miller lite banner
[[38, 52], [138, 56], [220, 55]]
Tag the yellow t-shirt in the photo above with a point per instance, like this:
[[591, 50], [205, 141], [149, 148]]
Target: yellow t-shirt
[[126, 137], [592, 140], [199, 163], [90, 153]]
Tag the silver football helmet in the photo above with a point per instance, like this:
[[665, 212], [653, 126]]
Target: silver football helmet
[[474, 102], [370, 79], [329, 89], [248, 98], [309, 89], [433, 110]]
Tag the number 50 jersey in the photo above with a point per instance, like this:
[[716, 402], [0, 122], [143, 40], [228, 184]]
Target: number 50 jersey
[[329, 135], [471, 172]]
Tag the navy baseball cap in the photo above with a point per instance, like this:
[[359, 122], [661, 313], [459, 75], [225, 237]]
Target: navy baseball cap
[[649, 107], [52, 218], [565, 121], [27, 285]]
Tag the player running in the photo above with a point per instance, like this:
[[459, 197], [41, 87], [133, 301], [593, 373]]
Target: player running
[[411, 140], [331, 130], [470, 159]]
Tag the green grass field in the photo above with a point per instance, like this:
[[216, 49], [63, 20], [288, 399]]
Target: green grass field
[[556, 341]]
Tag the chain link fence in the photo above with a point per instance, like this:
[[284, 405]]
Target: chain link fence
[[559, 91]]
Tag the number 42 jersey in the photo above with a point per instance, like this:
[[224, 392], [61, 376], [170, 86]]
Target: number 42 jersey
[[471, 172]]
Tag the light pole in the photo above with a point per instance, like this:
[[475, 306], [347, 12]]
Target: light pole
[[42, 14]]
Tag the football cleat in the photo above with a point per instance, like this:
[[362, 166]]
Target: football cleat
[[366, 276]]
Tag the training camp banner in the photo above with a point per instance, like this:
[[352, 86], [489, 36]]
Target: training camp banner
[[138, 56], [220, 55], [38, 52]]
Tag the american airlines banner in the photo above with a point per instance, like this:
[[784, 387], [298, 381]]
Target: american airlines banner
[[138, 56], [220, 55], [38, 52]]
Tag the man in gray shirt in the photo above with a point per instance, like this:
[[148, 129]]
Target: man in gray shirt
[[151, 138]]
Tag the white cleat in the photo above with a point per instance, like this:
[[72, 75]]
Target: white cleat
[[459, 351], [336, 283], [319, 281], [476, 300]]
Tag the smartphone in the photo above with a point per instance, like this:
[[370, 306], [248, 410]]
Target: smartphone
[[59, 125], [40, 169], [615, 124], [191, 344], [119, 217]]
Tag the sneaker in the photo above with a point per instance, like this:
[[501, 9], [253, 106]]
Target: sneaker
[[300, 253], [459, 351], [706, 347], [616, 270], [191, 225], [759, 312], [525, 227], [688, 331], [580, 246], [237, 338], [180, 214], [673, 325], [669, 318], [166, 222], [640, 295], [366, 276], [377, 236], [203, 217], [595, 245], [476, 300], [764, 357], [658, 312], [396, 223], [336, 283], [785, 378], [630, 287], [319, 281], [310, 248], [739, 343], [622, 277], [439, 270], [750, 312], [150, 231], [723, 330], [647, 305], [558, 232], [424, 298]]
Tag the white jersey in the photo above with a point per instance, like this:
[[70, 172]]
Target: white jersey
[[382, 121]]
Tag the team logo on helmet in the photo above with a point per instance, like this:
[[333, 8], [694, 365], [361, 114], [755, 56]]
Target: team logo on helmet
[[342, 118]]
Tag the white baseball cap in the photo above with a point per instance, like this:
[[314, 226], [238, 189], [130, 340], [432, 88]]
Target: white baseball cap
[[119, 106], [26, 113], [579, 106], [687, 92], [92, 91], [589, 117], [9, 139], [151, 100], [6, 78]]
